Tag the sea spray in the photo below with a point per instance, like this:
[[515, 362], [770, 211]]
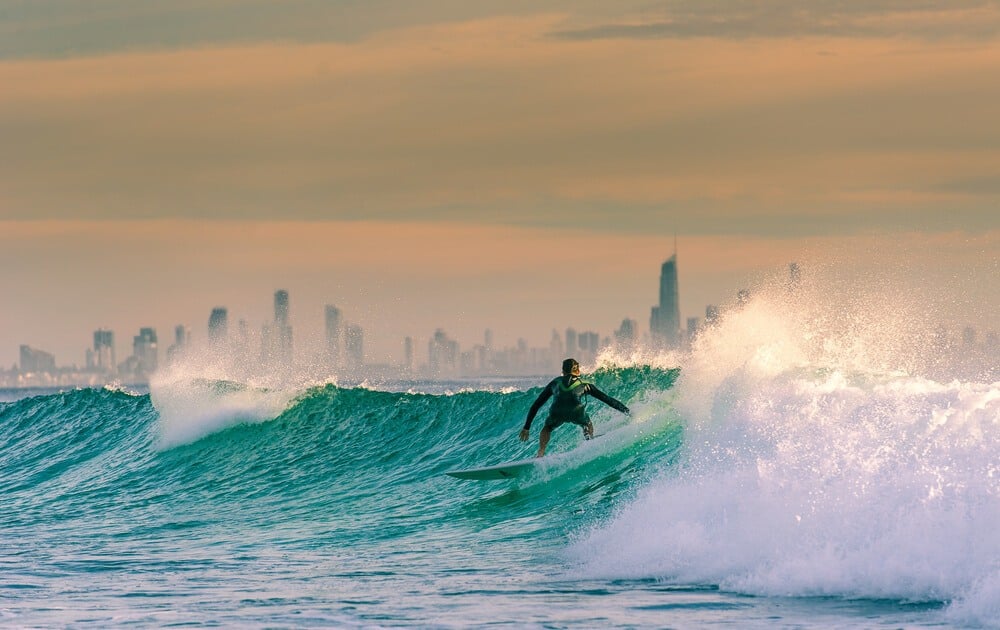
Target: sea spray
[[825, 454]]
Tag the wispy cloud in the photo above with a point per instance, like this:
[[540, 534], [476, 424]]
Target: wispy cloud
[[495, 121], [962, 19]]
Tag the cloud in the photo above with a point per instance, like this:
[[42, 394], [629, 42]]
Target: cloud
[[987, 185], [493, 121], [965, 20]]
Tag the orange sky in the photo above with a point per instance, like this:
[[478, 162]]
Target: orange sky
[[445, 163], [406, 279]]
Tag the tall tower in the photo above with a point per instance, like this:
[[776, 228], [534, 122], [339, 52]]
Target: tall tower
[[218, 328], [408, 354], [665, 319], [354, 344], [145, 351], [281, 307], [281, 326], [333, 334], [104, 350]]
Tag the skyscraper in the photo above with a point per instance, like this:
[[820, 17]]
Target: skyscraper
[[218, 327], [104, 350], [408, 354], [571, 347], [145, 351], [333, 334], [625, 336], [281, 327], [281, 306], [354, 345], [442, 354], [33, 360], [182, 337], [665, 320]]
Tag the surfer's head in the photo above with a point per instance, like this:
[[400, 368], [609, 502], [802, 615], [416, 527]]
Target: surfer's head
[[570, 366]]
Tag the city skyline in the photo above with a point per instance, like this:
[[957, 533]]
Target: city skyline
[[445, 358], [469, 165], [276, 345]]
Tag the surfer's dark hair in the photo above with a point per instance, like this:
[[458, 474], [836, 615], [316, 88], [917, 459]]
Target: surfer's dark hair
[[569, 365]]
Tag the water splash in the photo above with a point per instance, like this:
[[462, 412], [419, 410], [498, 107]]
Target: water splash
[[829, 450]]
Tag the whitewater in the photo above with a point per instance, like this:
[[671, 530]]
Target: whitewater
[[817, 459]]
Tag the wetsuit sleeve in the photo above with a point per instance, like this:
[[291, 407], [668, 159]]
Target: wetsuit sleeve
[[607, 400], [535, 406]]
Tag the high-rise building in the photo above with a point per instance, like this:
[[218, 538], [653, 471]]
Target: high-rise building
[[556, 345], [625, 336], [711, 314], [354, 345], [693, 325], [144, 350], [218, 328], [408, 354], [571, 342], [104, 351], [34, 361], [588, 344], [282, 328], [442, 354], [665, 319], [281, 306], [182, 338], [333, 334]]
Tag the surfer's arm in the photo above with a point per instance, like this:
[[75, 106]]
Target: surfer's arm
[[535, 406], [607, 400]]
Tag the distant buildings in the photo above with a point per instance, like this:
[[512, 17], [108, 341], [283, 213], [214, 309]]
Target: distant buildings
[[408, 355], [354, 346], [145, 352], [33, 360], [343, 350], [283, 328], [218, 329], [334, 330], [665, 319], [182, 339], [626, 336], [103, 358], [442, 355]]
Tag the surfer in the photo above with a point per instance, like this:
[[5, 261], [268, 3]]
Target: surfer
[[567, 392]]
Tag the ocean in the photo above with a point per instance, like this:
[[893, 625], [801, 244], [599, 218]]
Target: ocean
[[778, 475]]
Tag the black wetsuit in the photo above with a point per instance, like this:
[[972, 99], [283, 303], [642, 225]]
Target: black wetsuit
[[568, 405]]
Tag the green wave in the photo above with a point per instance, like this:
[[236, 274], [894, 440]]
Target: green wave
[[338, 464]]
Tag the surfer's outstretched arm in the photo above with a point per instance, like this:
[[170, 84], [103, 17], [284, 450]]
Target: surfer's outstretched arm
[[608, 400], [535, 406]]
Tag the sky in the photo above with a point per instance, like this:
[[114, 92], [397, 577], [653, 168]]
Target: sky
[[519, 166]]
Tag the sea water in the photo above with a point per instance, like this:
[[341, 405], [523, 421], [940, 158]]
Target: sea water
[[791, 470]]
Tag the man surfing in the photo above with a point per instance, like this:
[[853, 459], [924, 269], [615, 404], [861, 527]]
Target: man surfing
[[568, 405]]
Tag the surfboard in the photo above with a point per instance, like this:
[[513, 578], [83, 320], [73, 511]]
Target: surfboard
[[508, 470]]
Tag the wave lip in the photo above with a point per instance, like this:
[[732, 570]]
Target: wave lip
[[816, 463]]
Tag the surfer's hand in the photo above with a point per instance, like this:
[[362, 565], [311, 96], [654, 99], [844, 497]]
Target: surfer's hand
[[524, 435]]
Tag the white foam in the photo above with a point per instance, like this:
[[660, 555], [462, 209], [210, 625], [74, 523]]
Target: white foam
[[202, 395], [820, 460]]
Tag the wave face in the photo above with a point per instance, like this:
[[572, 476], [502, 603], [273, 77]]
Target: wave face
[[237, 483]]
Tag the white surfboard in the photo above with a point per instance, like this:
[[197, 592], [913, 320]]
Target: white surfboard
[[509, 470], [512, 470]]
